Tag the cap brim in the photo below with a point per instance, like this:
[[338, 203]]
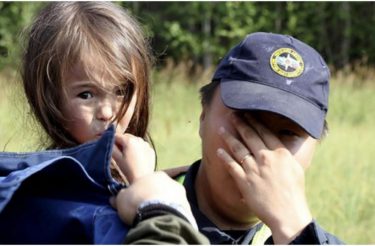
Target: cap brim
[[245, 95]]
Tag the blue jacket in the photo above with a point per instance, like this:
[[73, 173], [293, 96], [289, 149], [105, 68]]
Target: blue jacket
[[60, 196]]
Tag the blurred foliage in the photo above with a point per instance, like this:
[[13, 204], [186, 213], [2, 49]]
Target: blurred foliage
[[202, 32], [14, 18]]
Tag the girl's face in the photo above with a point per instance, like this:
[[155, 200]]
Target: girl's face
[[90, 107]]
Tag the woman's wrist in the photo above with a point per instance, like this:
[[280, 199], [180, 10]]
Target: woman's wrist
[[286, 231], [157, 207]]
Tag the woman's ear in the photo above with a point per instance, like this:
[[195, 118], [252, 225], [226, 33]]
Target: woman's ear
[[202, 120]]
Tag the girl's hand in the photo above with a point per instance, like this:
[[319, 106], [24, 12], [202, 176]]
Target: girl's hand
[[134, 156], [270, 180]]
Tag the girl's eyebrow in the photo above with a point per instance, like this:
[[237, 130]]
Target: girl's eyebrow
[[80, 84], [121, 86]]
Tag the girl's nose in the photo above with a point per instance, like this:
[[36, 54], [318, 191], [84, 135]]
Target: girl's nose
[[105, 111]]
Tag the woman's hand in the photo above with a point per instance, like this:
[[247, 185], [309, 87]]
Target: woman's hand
[[134, 156], [270, 180], [154, 186]]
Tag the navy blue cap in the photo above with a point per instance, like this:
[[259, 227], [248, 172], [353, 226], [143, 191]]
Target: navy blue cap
[[277, 73]]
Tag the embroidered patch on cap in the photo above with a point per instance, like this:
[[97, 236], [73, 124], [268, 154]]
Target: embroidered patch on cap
[[287, 62]]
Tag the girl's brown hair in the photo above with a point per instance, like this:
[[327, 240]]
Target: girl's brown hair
[[95, 34]]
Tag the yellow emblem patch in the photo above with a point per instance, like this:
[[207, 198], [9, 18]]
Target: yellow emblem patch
[[287, 62]]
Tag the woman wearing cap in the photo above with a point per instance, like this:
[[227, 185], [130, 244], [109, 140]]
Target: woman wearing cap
[[263, 114]]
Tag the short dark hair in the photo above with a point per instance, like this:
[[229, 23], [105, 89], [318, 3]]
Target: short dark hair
[[207, 93]]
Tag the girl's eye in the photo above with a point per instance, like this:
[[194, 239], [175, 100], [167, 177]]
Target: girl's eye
[[120, 92], [85, 95], [124, 90]]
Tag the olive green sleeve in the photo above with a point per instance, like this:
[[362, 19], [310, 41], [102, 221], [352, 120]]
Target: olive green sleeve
[[165, 229]]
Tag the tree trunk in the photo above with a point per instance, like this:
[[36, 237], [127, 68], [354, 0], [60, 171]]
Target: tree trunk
[[345, 45], [206, 30]]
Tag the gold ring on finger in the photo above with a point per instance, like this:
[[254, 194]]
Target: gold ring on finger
[[244, 158]]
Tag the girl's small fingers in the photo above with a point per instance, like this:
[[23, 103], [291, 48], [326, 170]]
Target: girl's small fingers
[[119, 159], [120, 142], [112, 201], [116, 153], [127, 139]]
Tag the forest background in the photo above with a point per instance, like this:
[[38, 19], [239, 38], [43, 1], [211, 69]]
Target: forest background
[[188, 40]]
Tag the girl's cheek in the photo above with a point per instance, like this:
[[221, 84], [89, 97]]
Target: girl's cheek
[[130, 112]]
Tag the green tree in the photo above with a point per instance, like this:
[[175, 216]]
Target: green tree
[[202, 32], [14, 17]]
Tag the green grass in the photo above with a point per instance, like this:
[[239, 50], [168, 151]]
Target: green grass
[[339, 183], [175, 120], [17, 131]]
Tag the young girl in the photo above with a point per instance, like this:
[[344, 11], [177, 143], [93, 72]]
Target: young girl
[[87, 66]]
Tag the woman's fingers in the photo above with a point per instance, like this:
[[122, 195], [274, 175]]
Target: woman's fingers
[[245, 181], [267, 137], [240, 155], [256, 137], [238, 150], [249, 136], [235, 170]]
